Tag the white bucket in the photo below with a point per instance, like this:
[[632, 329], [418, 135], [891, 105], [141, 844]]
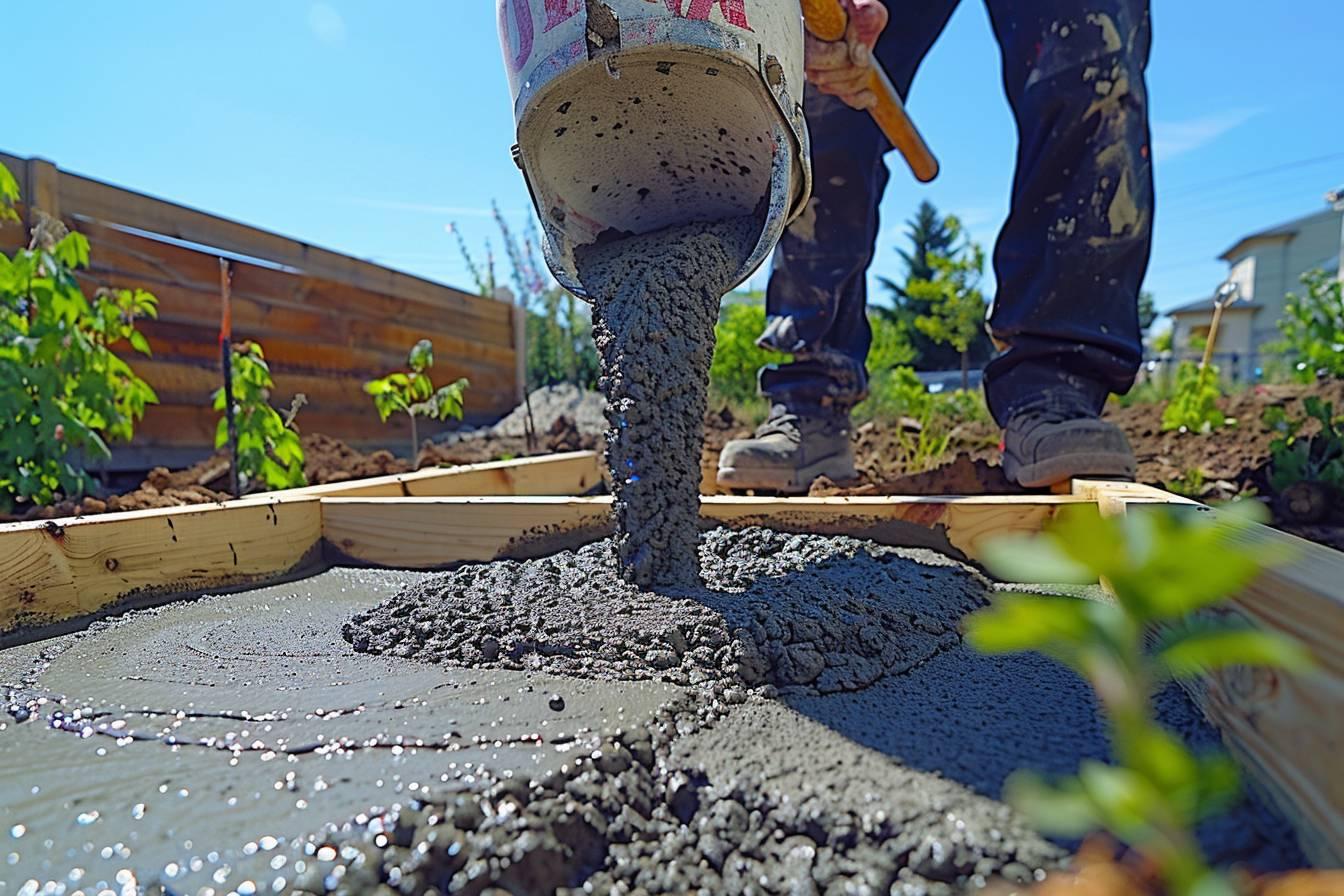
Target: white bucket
[[636, 115]]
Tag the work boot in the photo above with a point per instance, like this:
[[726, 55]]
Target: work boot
[[789, 452], [1044, 447]]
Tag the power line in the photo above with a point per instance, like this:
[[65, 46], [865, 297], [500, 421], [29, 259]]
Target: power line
[[1259, 172]]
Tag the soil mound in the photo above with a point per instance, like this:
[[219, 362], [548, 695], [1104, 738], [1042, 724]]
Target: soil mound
[[548, 405]]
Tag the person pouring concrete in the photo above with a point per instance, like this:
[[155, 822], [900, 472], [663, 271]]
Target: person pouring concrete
[[1069, 262]]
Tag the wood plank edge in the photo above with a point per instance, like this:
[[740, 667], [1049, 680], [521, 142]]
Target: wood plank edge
[[310, 564]]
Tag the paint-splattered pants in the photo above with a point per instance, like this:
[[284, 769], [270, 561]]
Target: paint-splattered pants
[[1075, 248]]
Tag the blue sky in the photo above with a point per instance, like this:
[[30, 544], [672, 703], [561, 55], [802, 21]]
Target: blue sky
[[351, 127]]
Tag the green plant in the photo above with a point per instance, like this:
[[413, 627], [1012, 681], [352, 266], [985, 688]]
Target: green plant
[[413, 393], [1191, 483], [1313, 327], [560, 346], [1314, 458], [1147, 311], [270, 454], [924, 424], [63, 391], [1194, 402], [929, 235], [1164, 569], [737, 358]]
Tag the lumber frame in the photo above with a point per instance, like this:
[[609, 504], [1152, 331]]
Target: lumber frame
[[572, 473], [433, 533], [57, 572], [1287, 730]]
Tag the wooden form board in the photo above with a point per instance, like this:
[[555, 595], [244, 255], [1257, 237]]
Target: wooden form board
[[1287, 730], [428, 533], [328, 323], [56, 571]]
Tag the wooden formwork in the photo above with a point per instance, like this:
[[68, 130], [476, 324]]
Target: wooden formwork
[[1286, 729]]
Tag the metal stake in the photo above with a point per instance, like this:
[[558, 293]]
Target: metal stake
[[226, 365]]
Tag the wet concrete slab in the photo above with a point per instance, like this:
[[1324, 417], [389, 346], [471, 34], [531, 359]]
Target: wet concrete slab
[[210, 734]]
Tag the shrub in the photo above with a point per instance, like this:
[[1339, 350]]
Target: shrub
[[737, 357], [270, 455], [1163, 568], [413, 394], [1194, 403], [1313, 327], [63, 391], [1315, 458]]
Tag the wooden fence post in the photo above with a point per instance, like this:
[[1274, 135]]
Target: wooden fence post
[[41, 191]]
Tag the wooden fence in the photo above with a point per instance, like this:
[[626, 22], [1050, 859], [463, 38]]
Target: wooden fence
[[327, 322]]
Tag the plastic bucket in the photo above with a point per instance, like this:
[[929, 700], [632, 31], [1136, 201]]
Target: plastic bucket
[[637, 115]]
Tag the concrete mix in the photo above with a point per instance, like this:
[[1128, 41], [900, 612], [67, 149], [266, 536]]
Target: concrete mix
[[656, 300], [807, 721], [835, 734]]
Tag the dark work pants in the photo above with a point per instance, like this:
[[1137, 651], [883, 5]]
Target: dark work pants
[[1075, 248]]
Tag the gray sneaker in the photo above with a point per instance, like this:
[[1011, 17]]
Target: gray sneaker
[[788, 453], [1048, 447]]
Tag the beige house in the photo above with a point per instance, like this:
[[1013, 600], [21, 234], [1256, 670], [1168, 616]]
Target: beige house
[[1265, 266]]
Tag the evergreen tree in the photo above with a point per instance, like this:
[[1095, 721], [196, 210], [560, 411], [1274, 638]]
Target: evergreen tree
[[955, 307], [931, 236], [1147, 311]]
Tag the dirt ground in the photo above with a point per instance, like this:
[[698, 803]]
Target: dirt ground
[[1232, 461], [326, 460]]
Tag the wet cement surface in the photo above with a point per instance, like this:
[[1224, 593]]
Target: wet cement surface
[[812, 723], [655, 302], [836, 735], [223, 742]]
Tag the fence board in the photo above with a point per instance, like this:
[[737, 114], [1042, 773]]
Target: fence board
[[327, 322]]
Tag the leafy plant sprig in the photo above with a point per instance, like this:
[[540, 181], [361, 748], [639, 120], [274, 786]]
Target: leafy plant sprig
[[413, 393], [1194, 403], [270, 453], [1167, 571], [1315, 458], [1313, 327], [63, 391]]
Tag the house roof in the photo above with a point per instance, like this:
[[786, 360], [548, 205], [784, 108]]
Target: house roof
[[1205, 306], [1286, 230]]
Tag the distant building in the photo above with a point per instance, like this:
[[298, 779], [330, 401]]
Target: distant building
[[1266, 266]]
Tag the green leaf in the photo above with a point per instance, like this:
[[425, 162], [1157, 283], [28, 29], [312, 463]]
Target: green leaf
[[9, 195], [1162, 758], [73, 250], [1019, 622], [1213, 883], [1122, 798], [1034, 560], [139, 342], [1063, 809], [422, 356], [1200, 652]]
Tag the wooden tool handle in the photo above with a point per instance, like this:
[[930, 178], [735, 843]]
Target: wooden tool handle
[[828, 21]]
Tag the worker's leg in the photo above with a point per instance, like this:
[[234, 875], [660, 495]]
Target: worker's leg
[[817, 300], [818, 293], [1074, 252]]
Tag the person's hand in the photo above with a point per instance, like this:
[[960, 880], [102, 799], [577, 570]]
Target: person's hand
[[842, 69]]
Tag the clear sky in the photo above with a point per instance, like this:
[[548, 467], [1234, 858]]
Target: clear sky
[[367, 127]]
